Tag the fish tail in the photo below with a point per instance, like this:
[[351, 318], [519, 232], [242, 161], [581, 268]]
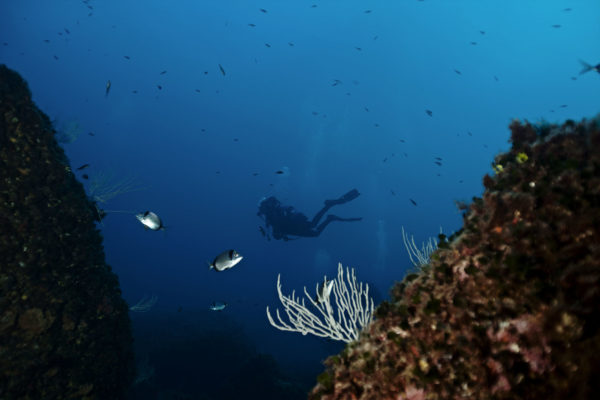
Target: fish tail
[[586, 67]]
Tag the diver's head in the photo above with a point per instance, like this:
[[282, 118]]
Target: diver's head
[[267, 204]]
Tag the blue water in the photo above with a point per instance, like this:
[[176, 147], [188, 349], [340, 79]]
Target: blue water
[[195, 145]]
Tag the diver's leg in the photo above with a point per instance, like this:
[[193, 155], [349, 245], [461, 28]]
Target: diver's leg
[[331, 218], [351, 195]]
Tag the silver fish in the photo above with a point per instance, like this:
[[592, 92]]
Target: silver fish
[[217, 306], [150, 220], [225, 260]]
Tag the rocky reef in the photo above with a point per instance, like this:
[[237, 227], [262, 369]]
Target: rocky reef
[[64, 328], [509, 306]]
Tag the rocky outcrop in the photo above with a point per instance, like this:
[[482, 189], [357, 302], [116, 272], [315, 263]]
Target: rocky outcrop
[[64, 328], [509, 306]]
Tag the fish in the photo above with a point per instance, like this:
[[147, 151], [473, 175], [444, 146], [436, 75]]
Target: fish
[[587, 67], [84, 166], [46, 40], [556, 26], [55, 57], [67, 31], [291, 44], [150, 221], [366, 109], [263, 10], [358, 48], [217, 306], [163, 72], [221, 68], [474, 43], [313, 6], [267, 44], [495, 78], [159, 87], [226, 260], [438, 158], [323, 291], [429, 112], [127, 57], [458, 72], [336, 82], [367, 11], [85, 176], [563, 106], [108, 85], [413, 202], [280, 172], [91, 134], [197, 90], [252, 25], [393, 193], [438, 163]]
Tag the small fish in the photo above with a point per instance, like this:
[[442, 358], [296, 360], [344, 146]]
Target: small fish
[[134, 91], [482, 32], [217, 306], [458, 72], [376, 125], [473, 43], [108, 85], [254, 173], [323, 291], [366, 109], [85, 176], [413, 202], [438, 158], [267, 44], [205, 72], [469, 133], [429, 112], [84, 166], [438, 163], [197, 90], [336, 82], [67, 31], [315, 113], [567, 9], [367, 11], [313, 6], [495, 78], [226, 260], [563, 106], [127, 57], [55, 57], [46, 40], [358, 48], [263, 10], [221, 68], [375, 37], [91, 134], [252, 25], [159, 87], [280, 172], [163, 72], [587, 67], [556, 26], [393, 193], [291, 44], [150, 221]]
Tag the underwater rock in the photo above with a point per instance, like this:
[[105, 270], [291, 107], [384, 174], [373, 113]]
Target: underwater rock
[[64, 328], [509, 306]]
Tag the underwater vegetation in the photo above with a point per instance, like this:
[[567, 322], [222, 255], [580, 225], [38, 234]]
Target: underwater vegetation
[[64, 328], [509, 306]]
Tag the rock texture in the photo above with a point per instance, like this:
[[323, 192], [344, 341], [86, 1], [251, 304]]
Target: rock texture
[[509, 306], [64, 328]]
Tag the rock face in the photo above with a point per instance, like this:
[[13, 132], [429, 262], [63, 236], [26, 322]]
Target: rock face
[[64, 328], [509, 307]]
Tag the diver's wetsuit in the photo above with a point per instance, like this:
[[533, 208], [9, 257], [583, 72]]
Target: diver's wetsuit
[[284, 220]]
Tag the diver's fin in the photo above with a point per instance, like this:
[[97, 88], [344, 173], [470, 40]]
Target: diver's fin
[[351, 195]]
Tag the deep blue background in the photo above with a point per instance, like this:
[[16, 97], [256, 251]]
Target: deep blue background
[[181, 144]]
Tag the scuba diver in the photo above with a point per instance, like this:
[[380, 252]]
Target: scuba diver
[[284, 220]]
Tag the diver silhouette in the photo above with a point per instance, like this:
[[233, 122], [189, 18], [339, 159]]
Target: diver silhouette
[[284, 220]]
